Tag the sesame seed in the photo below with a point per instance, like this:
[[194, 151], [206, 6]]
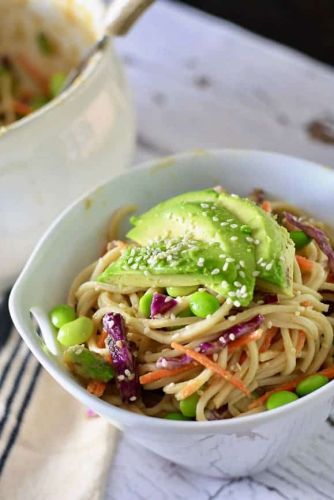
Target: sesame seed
[[237, 303], [242, 263], [200, 262], [231, 336], [204, 205], [231, 293], [269, 266], [215, 271], [222, 340], [249, 239], [260, 260], [133, 398], [255, 273], [172, 316], [228, 301], [256, 242], [229, 220], [224, 284], [234, 238], [215, 218], [237, 284], [225, 266], [270, 324], [230, 259], [130, 260], [169, 258], [168, 299], [242, 274], [222, 256], [127, 372], [234, 226], [223, 224], [120, 378], [243, 289], [232, 318], [119, 344]]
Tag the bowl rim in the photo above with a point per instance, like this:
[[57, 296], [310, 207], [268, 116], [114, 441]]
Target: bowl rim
[[118, 414], [80, 81]]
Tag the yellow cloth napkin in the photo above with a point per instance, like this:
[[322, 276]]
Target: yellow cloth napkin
[[50, 449]]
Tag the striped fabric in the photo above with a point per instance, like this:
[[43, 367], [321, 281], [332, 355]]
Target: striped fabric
[[49, 448]]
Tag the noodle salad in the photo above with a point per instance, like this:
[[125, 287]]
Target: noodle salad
[[214, 307]]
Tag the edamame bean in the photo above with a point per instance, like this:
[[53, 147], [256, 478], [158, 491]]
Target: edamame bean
[[144, 306], [186, 313], [62, 314], [300, 239], [311, 384], [203, 303], [56, 83], [180, 291], [280, 398], [76, 332], [176, 416], [188, 405]]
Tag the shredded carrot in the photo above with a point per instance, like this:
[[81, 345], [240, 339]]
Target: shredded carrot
[[96, 387], [101, 338], [266, 205], [304, 264], [244, 340], [205, 361], [288, 386], [307, 303], [150, 377], [300, 342], [35, 74], [22, 108], [269, 336]]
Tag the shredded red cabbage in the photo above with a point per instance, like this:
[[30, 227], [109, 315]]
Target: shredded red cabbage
[[317, 234], [171, 363], [123, 360], [270, 298], [231, 334], [217, 414], [161, 304]]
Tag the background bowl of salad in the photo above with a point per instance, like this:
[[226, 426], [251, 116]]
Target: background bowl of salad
[[222, 448], [54, 147]]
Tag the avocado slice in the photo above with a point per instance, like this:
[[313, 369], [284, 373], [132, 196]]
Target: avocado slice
[[184, 243], [274, 248]]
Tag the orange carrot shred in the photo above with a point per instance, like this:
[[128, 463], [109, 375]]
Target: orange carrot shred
[[22, 108], [35, 74], [150, 377], [305, 265], [266, 206], [96, 387], [205, 361], [307, 303], [330, 277], [288, 386], [244, 340], [269, 336], [101, 338], [301, 341]]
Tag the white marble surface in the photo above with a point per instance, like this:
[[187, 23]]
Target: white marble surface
[[202, 82]]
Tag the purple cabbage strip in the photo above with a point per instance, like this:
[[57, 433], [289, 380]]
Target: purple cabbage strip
[[231, 334], [171, 363], [317, 234], [161, 304], [123, 360], [217, 414], [270, 298], [208, 348]]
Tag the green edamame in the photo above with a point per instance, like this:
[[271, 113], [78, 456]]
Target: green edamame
[[188, 405], [144, 306], [203, 303], [311, 384], [300, 239], [56, 83], [280, 398], [180, 291], [176, 416], [62, 314], [75, 332]]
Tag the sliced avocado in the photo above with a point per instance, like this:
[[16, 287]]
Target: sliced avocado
[[189, 243], [88, 364], [274, 248]]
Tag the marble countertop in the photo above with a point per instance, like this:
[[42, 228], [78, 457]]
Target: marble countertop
[[201, 82]]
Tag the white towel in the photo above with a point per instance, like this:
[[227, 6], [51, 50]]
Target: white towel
[[50, 449]]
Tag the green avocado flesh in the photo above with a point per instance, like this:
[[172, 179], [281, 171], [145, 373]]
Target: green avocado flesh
[[206, 238]]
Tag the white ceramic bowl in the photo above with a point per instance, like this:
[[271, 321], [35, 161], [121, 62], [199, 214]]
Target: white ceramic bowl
[[227, 448], [73, 143]]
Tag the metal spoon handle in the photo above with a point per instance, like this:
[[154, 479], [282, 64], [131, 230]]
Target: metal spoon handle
[[121, 15]]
